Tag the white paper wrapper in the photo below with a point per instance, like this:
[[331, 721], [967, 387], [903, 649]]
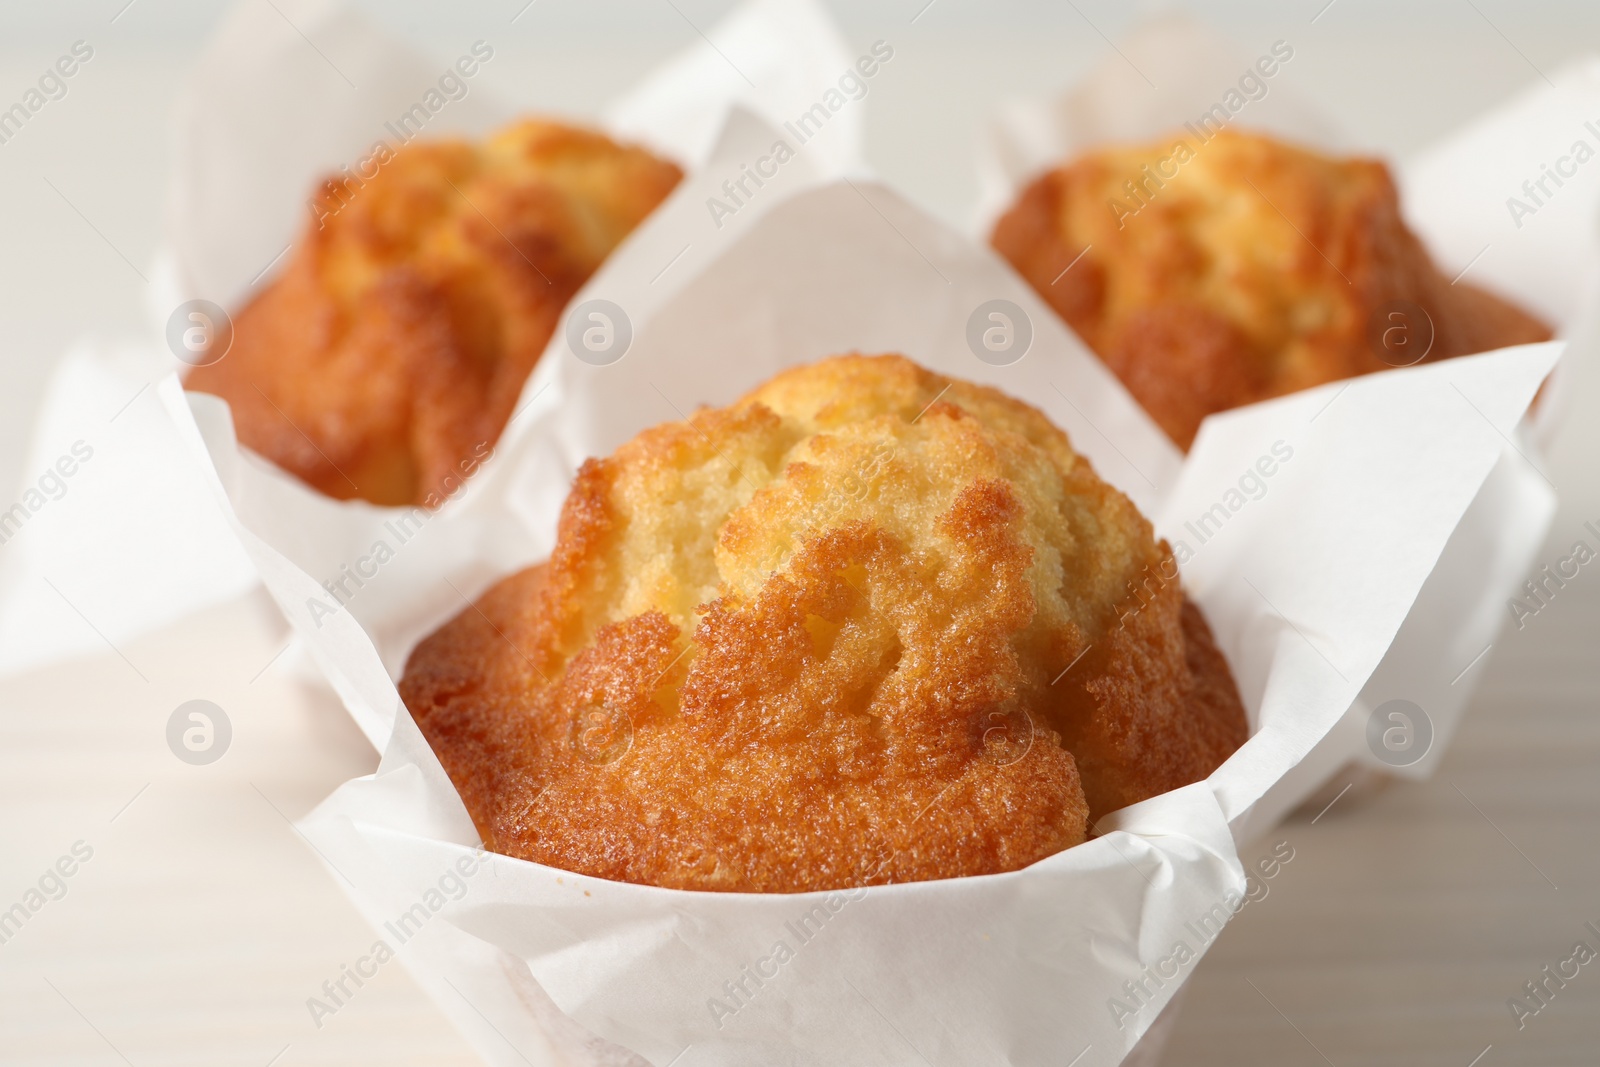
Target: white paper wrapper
[[264, 117], [129, 541], [541, 966], [1305, 588], [1454, 194]]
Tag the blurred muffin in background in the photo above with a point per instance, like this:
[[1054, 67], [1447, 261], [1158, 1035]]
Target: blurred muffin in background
[[385, 360], [1221, 272]]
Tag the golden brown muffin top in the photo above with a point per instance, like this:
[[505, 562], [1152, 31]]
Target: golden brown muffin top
[[385, 361], [1227, 271], [852, 629], [581, 191]]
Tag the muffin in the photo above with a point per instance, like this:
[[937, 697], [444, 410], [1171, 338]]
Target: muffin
[[866, 625], [385, 360], [1221, 272]]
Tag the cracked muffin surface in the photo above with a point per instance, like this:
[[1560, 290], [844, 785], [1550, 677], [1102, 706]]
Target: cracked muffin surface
[[386, 359], [1208, 275], [868, 624]]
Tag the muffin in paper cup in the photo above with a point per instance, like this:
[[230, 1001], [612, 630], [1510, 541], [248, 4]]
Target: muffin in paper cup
[[1453, 194], [1305, 585], [263, 120]]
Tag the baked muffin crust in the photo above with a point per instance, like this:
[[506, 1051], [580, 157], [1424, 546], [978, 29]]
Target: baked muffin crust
[[1222, 273], [386, 359], [867, 624]]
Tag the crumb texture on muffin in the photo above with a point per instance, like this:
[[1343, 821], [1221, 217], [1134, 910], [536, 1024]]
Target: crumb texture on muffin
[[386, 358], [1221, 273], [867, 624]]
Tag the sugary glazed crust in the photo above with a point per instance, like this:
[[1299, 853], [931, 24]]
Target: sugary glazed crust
[[843, 632], [385, 360], [1253, 269]]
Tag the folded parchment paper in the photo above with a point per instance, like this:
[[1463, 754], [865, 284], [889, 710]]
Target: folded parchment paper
[[1305, 585]]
